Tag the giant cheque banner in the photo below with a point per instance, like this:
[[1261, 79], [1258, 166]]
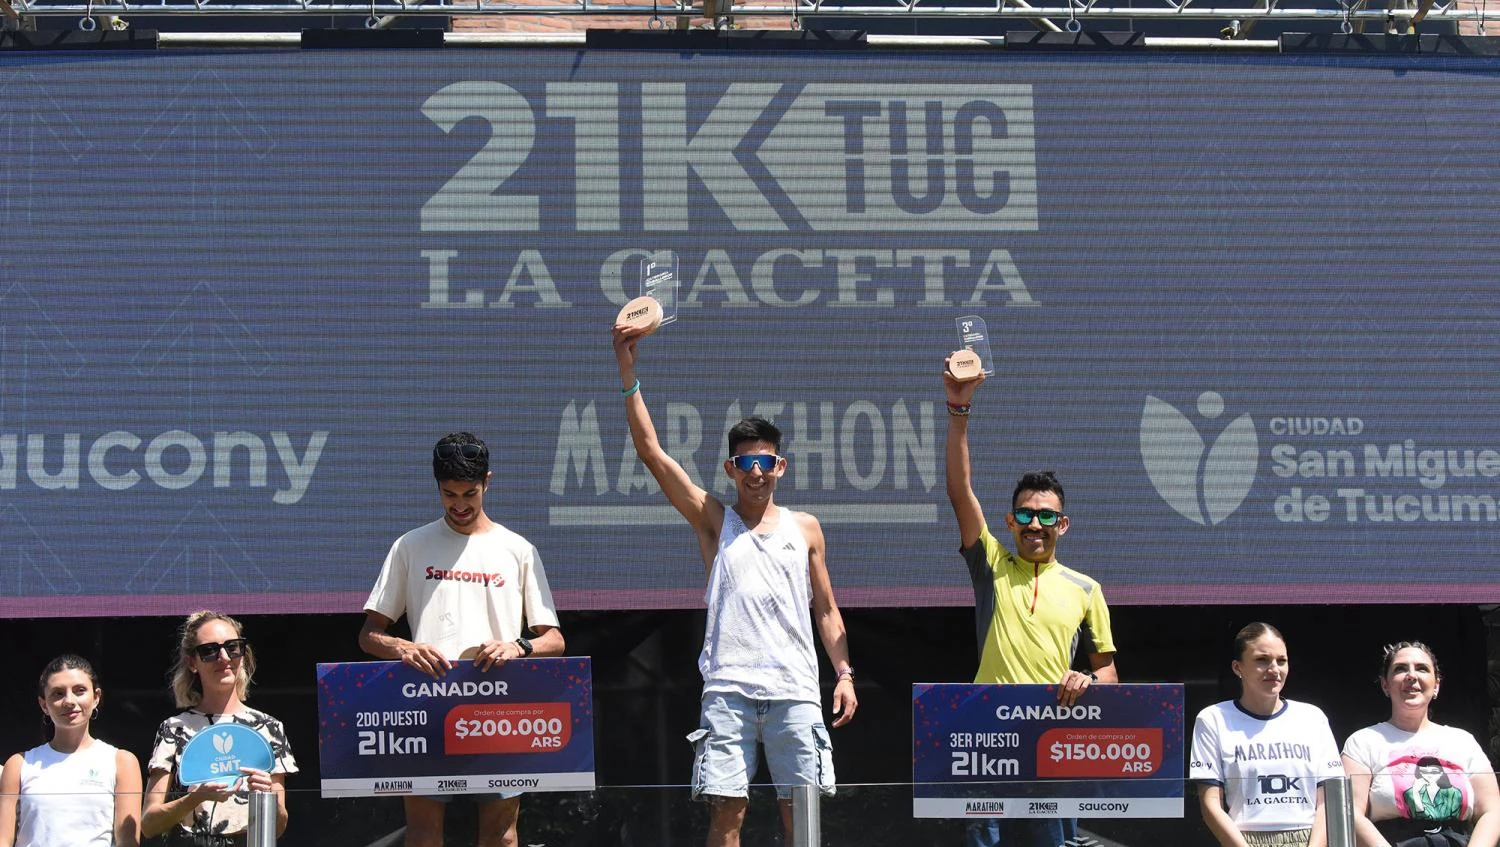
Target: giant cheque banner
[[1014, 751], [385, 728]]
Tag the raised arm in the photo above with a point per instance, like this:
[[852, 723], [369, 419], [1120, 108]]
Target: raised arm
[[702, 510], [829, 621], [959, 396]]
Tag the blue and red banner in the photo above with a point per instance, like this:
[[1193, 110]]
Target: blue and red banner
[[384, 728], [989, 751]]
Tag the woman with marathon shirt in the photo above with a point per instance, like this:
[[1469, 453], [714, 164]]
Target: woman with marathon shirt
[[75, 789], [1416, 783], [1260, 760], [211, 680]]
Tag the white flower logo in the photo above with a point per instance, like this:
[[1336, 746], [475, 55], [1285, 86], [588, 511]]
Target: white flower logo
[[224, 742], [1204, 484]]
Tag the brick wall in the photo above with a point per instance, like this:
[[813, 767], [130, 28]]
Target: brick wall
[[1471, 27]]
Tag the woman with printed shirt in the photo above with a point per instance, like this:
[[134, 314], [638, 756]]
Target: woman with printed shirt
[[1260, 759], [211, 680], [1416, 783], [75, 790]]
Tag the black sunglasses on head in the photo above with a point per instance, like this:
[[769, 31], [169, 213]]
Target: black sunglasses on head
[[468, 451], [233, 648]]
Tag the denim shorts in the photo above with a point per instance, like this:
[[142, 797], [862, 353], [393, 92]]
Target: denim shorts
[[732, 725]]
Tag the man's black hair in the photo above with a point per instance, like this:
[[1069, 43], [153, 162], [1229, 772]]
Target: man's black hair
[[1037, 481], [450, 464], [754, 429]]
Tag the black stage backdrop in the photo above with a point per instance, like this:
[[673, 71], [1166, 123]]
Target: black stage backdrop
[[646, 692]]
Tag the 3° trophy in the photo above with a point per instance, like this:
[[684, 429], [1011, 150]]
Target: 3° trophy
[[973, 356]]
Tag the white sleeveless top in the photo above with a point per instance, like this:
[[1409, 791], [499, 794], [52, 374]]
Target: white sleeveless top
[[67, 800], [758, 640]]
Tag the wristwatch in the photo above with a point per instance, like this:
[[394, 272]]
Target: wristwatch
[[525, 644]]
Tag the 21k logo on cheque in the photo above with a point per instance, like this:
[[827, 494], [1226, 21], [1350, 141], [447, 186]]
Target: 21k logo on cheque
[[1203, 482]]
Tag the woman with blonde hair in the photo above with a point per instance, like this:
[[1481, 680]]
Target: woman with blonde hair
[[210, 682], [75, 789]]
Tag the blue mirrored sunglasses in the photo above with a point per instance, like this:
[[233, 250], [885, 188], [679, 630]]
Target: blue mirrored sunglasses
[[1045, 517], [747, 462]]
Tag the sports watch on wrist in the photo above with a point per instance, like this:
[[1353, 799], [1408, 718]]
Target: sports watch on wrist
[[525, 644]]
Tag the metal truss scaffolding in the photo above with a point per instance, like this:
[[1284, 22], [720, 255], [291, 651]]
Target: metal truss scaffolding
[[1237, 17]]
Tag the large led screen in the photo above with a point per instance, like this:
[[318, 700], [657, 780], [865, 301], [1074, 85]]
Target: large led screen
[[1245, 306]]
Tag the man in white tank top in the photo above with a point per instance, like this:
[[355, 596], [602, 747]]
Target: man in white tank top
[[766, 570]]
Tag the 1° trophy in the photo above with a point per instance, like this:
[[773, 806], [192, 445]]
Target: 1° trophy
[[657, 305]]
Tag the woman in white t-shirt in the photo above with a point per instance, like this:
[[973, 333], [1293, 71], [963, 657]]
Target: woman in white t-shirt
[[75, 790], [1260, 759], [1416, 783]]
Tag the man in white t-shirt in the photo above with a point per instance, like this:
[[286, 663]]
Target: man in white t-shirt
[[470, 589]]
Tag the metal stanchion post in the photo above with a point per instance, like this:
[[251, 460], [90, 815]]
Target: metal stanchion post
[[1338, 811], [805, 829], [262, 819]]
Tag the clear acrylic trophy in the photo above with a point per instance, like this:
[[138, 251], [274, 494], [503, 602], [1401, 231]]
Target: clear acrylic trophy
[[973, 337], [659, 282], [657, 304]]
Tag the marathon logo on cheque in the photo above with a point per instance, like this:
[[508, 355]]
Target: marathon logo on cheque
[[984, 807]]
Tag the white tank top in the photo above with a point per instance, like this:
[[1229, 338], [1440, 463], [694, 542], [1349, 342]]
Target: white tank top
[[67, 800], [758, 641]]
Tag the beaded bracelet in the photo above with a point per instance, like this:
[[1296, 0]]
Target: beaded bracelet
[[958, 411]]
